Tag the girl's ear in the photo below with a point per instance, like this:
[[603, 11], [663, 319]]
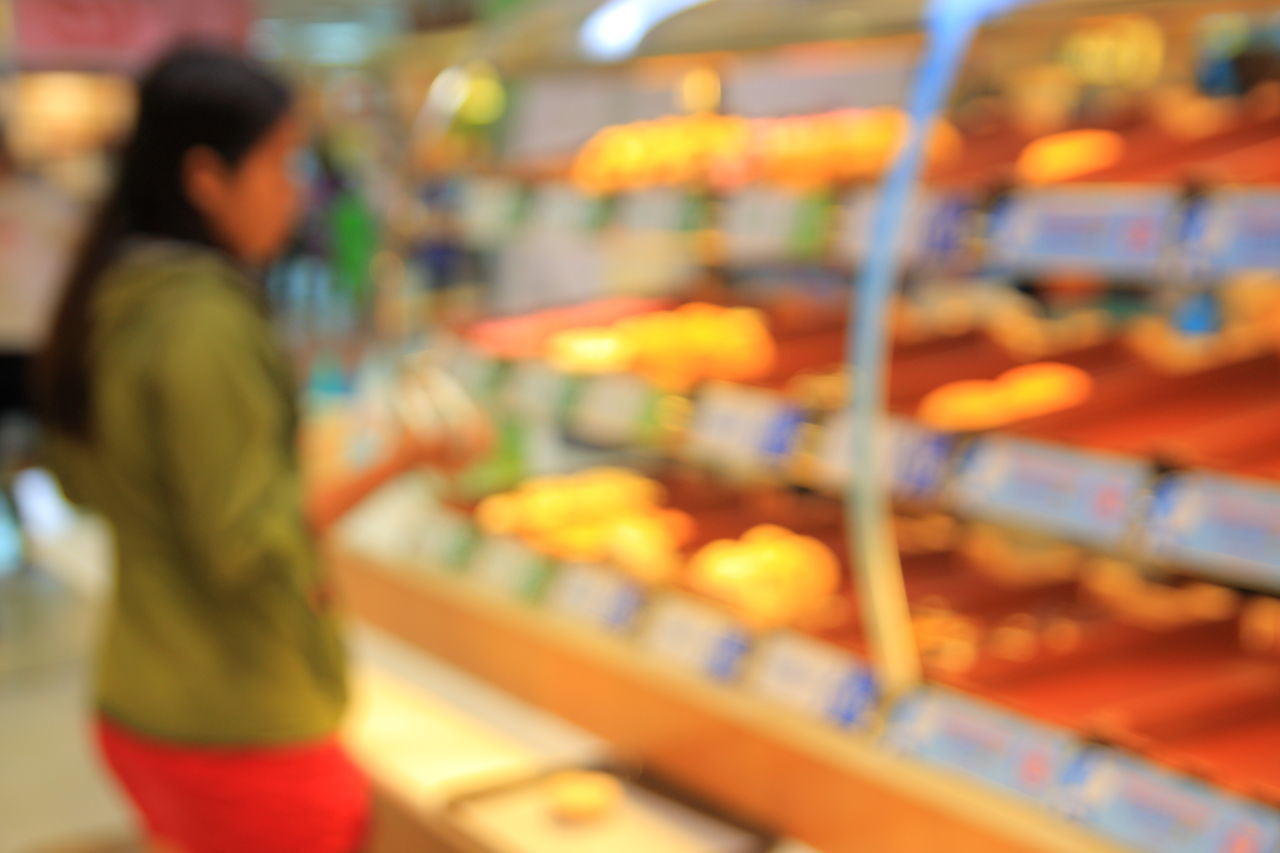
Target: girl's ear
[[204, 178]]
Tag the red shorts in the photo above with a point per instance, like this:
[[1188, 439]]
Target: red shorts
[[309, 797]]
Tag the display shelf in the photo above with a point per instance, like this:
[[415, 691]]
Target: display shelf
[[831, 788], [1078, 577], [1084, 692]]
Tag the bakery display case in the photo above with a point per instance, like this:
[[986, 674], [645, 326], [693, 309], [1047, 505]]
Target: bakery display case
[[1081, 461]]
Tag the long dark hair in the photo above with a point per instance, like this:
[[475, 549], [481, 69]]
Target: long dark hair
[[193, 97]]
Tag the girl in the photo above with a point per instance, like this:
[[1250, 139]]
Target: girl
[[169, 407]]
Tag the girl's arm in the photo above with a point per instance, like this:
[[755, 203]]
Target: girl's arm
[[332, 499]]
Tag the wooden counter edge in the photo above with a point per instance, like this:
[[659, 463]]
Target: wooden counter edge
[[833, 790]]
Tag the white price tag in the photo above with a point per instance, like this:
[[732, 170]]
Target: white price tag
[[758, 223], [612, 409], [487, 208], [651, 210], [508, 566], [696, 637], [538, 389], [739, 428], [835, 450], [391, 539], [390, 523], [560, 207], [857, 225], [915, 466], [596, 596], [471, 368], [441, 536], [812, 677]]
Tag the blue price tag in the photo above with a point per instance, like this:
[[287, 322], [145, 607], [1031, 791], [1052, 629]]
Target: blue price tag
[[997, 747], [812, 677], [726, 660], [1121, 232], [1223, 527], [696, 637], [917, 467], [947, 226], [1158, 811], [1241, 232], [742, 429], [921, 459], [595, 595], [1088, 497]]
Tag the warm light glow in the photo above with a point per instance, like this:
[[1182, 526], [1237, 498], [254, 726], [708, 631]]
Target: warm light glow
[[474, 94], [700, 91], [1019, 394], [614, 31], [58, 113], [602, 515], [1122, 51], [589, 351], [674, 350], [771, 577], [798, 152], [1064, 156]]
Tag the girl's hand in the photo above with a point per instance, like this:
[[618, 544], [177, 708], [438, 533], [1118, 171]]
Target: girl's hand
[[450, 453]]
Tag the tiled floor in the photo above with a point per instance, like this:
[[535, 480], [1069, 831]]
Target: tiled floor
[[53, 797]]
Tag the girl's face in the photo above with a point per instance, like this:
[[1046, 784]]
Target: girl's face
[[252, 206]]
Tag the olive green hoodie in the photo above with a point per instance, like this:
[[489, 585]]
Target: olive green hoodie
[[218, 631]]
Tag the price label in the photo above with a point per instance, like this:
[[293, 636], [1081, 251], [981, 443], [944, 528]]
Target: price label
[[1222, 526], [1151, 809], [696, 637], [1118, 231], [614, 410], [510, 567], [560, 207], [388, 539], [444, 539], [1241, 232], [814, 678], [858, 218], [835, 451], [920, 459], [918, 463], [758, 223], [488, 208], [596, 596], [947, 223], [1084, 496], [389, 524], [742, 429], [473, 369], [651, 210], [982, 742], [539, 390]]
